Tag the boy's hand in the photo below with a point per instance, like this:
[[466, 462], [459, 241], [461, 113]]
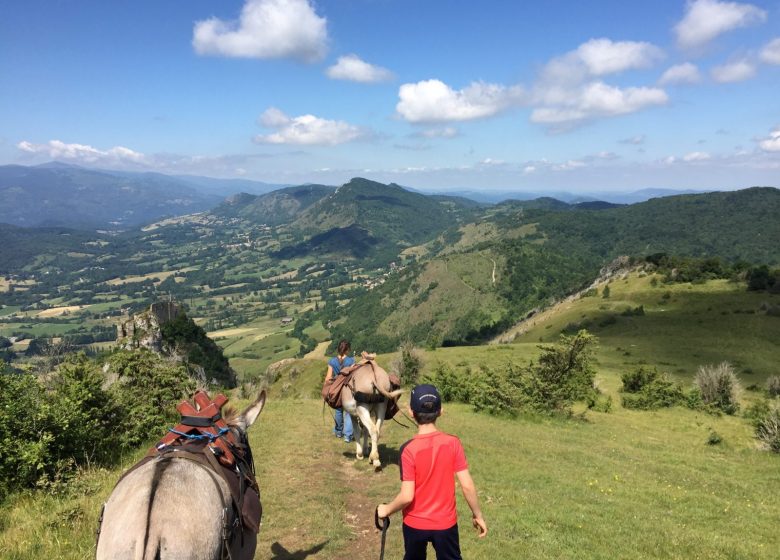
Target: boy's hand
[[382, 511], [479, 525]]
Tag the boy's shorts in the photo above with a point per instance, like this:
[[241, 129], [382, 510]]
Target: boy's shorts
[[445, 542]]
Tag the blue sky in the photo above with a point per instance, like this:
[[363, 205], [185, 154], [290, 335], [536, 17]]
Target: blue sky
[[437, 94]]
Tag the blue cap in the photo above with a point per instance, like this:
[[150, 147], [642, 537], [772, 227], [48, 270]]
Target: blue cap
[[425, 398]]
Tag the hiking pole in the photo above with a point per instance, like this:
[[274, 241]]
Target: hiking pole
[[383, 527]]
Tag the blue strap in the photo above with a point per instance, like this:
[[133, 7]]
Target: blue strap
[[200, 437]]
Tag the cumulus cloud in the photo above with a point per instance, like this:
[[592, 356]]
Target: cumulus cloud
[[56, 149], [603, 56], [265, 29], [737, 71], [771, 144], [305, 129], [432, 101], [634, 140], [696, 156], [686, 73], [569, 90], [706, 19], [597, 99], [771, 52], [351, 67]]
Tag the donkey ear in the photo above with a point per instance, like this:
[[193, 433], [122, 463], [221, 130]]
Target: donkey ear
[[248, 417]]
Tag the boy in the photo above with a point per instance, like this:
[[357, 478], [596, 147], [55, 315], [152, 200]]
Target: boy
[[430, 462]]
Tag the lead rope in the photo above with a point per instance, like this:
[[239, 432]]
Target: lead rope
[[383, 527]]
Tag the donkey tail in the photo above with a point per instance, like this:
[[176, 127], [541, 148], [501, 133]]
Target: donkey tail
[[392, 395]]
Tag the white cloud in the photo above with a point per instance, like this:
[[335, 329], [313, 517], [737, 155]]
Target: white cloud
[[492, 162], [706, 19], [602, 56], [568, 91], [56, 149], [597, 99], [443, 132], [434, 101], [736, 71], [265, 29], [634, 140], [528, 169], [696, 156], [686, 73], [305, 129], [569, 165], [771, 144], [771, 52], [352, 68]]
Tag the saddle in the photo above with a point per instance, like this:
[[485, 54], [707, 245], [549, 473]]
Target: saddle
[[202, 436], [332, 388]]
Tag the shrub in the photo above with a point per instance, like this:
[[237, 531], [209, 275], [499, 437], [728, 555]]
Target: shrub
[[148, 390], [714, 438], [497, 392], [768, 429], [45, 432], [633, 381], [452, 385], [409, 364], [660, 392], [562, 375], [719, 387], [773, 386]]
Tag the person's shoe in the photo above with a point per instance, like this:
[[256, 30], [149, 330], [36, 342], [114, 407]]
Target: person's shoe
[[337, 434], [348, 439]]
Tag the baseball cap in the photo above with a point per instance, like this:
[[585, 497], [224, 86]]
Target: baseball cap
[[425, 398]]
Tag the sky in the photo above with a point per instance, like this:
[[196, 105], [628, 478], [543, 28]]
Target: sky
[[433, 94]]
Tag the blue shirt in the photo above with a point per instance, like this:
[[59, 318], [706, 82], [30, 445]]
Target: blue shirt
[[336, 365]]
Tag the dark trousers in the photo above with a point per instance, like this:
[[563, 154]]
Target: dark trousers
[[445, 542]]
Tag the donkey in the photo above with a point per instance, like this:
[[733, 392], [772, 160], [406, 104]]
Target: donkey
[[178, 509], [366, 397]]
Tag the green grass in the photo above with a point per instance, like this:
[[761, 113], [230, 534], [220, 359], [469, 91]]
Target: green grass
[[625, 484], [694, 324]]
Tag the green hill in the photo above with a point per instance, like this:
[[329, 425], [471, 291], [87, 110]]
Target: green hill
[[479, 278], [390, 215], [277, 207]]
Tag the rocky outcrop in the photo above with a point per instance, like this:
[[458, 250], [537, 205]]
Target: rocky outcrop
[[144, 330]]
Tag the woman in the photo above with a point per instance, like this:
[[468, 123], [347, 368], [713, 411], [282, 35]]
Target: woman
[[343, 425]]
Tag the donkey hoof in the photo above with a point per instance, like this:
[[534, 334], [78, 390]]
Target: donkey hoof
[[377, 464], [360, 457]]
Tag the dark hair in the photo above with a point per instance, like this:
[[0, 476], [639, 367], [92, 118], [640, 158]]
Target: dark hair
[[426, 417], [344, 347]]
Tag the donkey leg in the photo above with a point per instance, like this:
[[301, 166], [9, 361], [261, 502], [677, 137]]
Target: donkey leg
[[368, 426], [351, 406], [380, 409]]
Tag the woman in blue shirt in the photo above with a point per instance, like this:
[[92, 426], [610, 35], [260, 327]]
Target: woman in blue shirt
[[343, 425]]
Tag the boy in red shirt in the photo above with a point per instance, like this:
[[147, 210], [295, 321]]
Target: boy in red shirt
[[430, 462]]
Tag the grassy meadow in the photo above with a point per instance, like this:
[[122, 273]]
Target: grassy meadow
[[623, 484]]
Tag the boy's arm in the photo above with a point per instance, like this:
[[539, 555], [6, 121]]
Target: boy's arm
[[403, 499], [470, 493]]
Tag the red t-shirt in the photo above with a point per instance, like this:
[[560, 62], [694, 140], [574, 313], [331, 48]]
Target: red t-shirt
[[431, 461]]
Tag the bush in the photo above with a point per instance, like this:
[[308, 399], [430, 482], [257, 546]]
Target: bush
[[768, 429], [409, 364], [452, 385], [148, 388], [661, 392], [719, 387], [562, 376], [773, 386], [714, 438], [45, 432], [633, 381]]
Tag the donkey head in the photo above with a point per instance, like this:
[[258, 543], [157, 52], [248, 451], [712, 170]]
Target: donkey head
[[244, 420]]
